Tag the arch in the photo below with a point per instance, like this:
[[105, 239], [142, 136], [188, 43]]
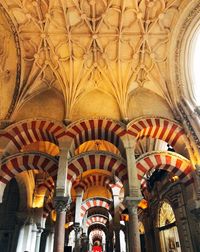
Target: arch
[[96, 234], [94, 202], [26, 161], [93, 129], [47, 208], [169, 161], [97, 145], [94, 160], [159, 128], [89, 103], [29, 131], [42, 146], [165, 214], [45, 102], [97, 229], [147, 100], [96, 219], [95, 179], [49, 185], [166, 224]]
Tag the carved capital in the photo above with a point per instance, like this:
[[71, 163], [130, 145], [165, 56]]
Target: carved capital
[[62, 204], [77, 227], [132, 204]]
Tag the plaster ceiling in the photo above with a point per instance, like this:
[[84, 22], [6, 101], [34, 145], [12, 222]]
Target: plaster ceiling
[[110, 52]]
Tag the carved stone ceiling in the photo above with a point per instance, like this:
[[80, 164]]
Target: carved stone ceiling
[[76, 46]]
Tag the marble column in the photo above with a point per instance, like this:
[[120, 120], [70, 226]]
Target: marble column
[[20, 239], [134, 234], [116, 219], [62, 197], [110, 238], [133, 182], [61, 206], [77, 230], [38, 238], [127, 236], [49, 242]]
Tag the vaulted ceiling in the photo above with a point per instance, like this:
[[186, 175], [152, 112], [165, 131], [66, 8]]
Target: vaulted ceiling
[[69, 59]]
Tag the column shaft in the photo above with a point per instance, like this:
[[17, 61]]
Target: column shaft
[[38, 239], [127, 236], [134, 235], [59, 239]]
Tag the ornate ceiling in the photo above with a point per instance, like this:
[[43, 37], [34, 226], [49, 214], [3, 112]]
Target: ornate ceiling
[[79, 54]]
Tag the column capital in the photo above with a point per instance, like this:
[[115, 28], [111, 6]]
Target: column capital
[[77, 227], [132, 202], [62, 204]]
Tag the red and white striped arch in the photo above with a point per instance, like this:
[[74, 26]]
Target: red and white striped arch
[[93, 160], [93, 202], [47, 208], [169, 161], [96, 234], [26, 132], [96, 219], [23, 162], [159, 128], [49, 185], [93, 129], [93, 180]]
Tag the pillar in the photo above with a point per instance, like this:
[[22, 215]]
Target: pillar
[[126, 236], [62, 197], [133, 182], [77, 229], [61, 205], [116, 219], [134, 235], [49, 242], [133, 194], [20, 239], [38, 238], [110, 237]]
